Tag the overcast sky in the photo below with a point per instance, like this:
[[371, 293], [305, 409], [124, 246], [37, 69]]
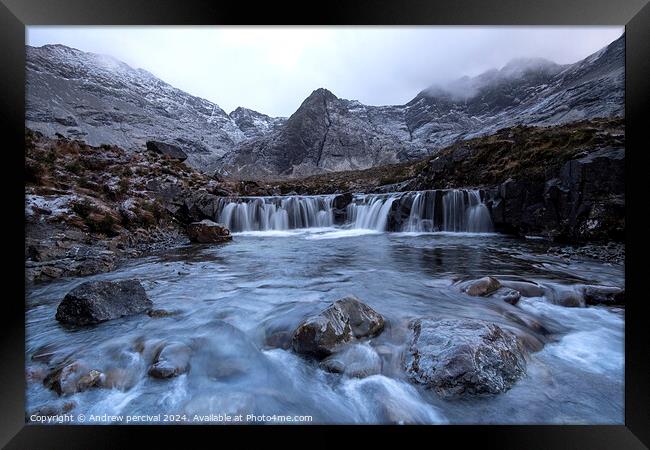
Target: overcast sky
[[273, 69]]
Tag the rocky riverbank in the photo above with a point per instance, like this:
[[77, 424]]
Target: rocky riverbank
[[87, 208]]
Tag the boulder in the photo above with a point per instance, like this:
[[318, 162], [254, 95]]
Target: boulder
[[482, 287], [72, 377], [208, 232], [354, 360], [344, 321], [98, 301], [165, 149], [172, 360], [603, 295], [525, 288], [463, 357]]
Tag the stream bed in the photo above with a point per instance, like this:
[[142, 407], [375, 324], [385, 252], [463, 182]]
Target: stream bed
[[228, 299]]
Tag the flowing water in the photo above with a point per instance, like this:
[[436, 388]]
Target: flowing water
[[229, 299], [437, 210]]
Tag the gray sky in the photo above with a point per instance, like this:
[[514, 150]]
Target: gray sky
[[273, 69]]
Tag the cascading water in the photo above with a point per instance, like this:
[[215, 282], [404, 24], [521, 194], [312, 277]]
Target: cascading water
[[463, 210], [372, 213], [276, 213], [454, 210]]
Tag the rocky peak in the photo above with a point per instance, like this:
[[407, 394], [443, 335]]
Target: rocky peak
[[253, 123]]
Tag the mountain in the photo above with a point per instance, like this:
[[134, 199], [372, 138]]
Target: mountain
[[327, 133], [101, 100], [253, 123]]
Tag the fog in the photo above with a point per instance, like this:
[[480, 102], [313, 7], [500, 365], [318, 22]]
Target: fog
[[273, 69]]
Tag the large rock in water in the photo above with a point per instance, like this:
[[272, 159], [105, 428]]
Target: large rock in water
[[208, 232], [73, 377], [172, 360], [483, 287], [344, 321], [167, 150], [97, 301], [463, 357]]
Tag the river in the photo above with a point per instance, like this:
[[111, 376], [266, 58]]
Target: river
[[228, 298]]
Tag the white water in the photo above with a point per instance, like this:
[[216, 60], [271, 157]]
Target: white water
[[457, 210], [276, 213], [371, 213], [228, 300]]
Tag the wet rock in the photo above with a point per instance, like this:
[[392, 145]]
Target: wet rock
[[507, 295], [341, 201], [170, 150], [603, 295], [339, 205], [569, 297], [525, 288], [53, 409], [319, 335], [278, 339], [91, 379], [483, 287], [97, 301], [364, 321], [208, 232], [355, 360], [345, 320], [463, 357], [172, 360], [72, 377], [158, 313]]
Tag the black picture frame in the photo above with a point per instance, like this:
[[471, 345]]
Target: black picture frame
[[633, 14]]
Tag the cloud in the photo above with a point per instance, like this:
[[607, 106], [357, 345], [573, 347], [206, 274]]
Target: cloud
[[272, 69]]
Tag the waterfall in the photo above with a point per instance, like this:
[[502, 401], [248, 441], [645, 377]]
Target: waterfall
[[276, 213], [453, 210], [372, 213]]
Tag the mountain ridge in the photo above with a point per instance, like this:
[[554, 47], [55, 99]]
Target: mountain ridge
[[100, 100]]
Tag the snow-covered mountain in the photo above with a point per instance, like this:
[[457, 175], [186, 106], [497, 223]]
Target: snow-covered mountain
[[101, 100]]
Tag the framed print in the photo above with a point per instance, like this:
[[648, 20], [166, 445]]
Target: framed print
[[411, 217]]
